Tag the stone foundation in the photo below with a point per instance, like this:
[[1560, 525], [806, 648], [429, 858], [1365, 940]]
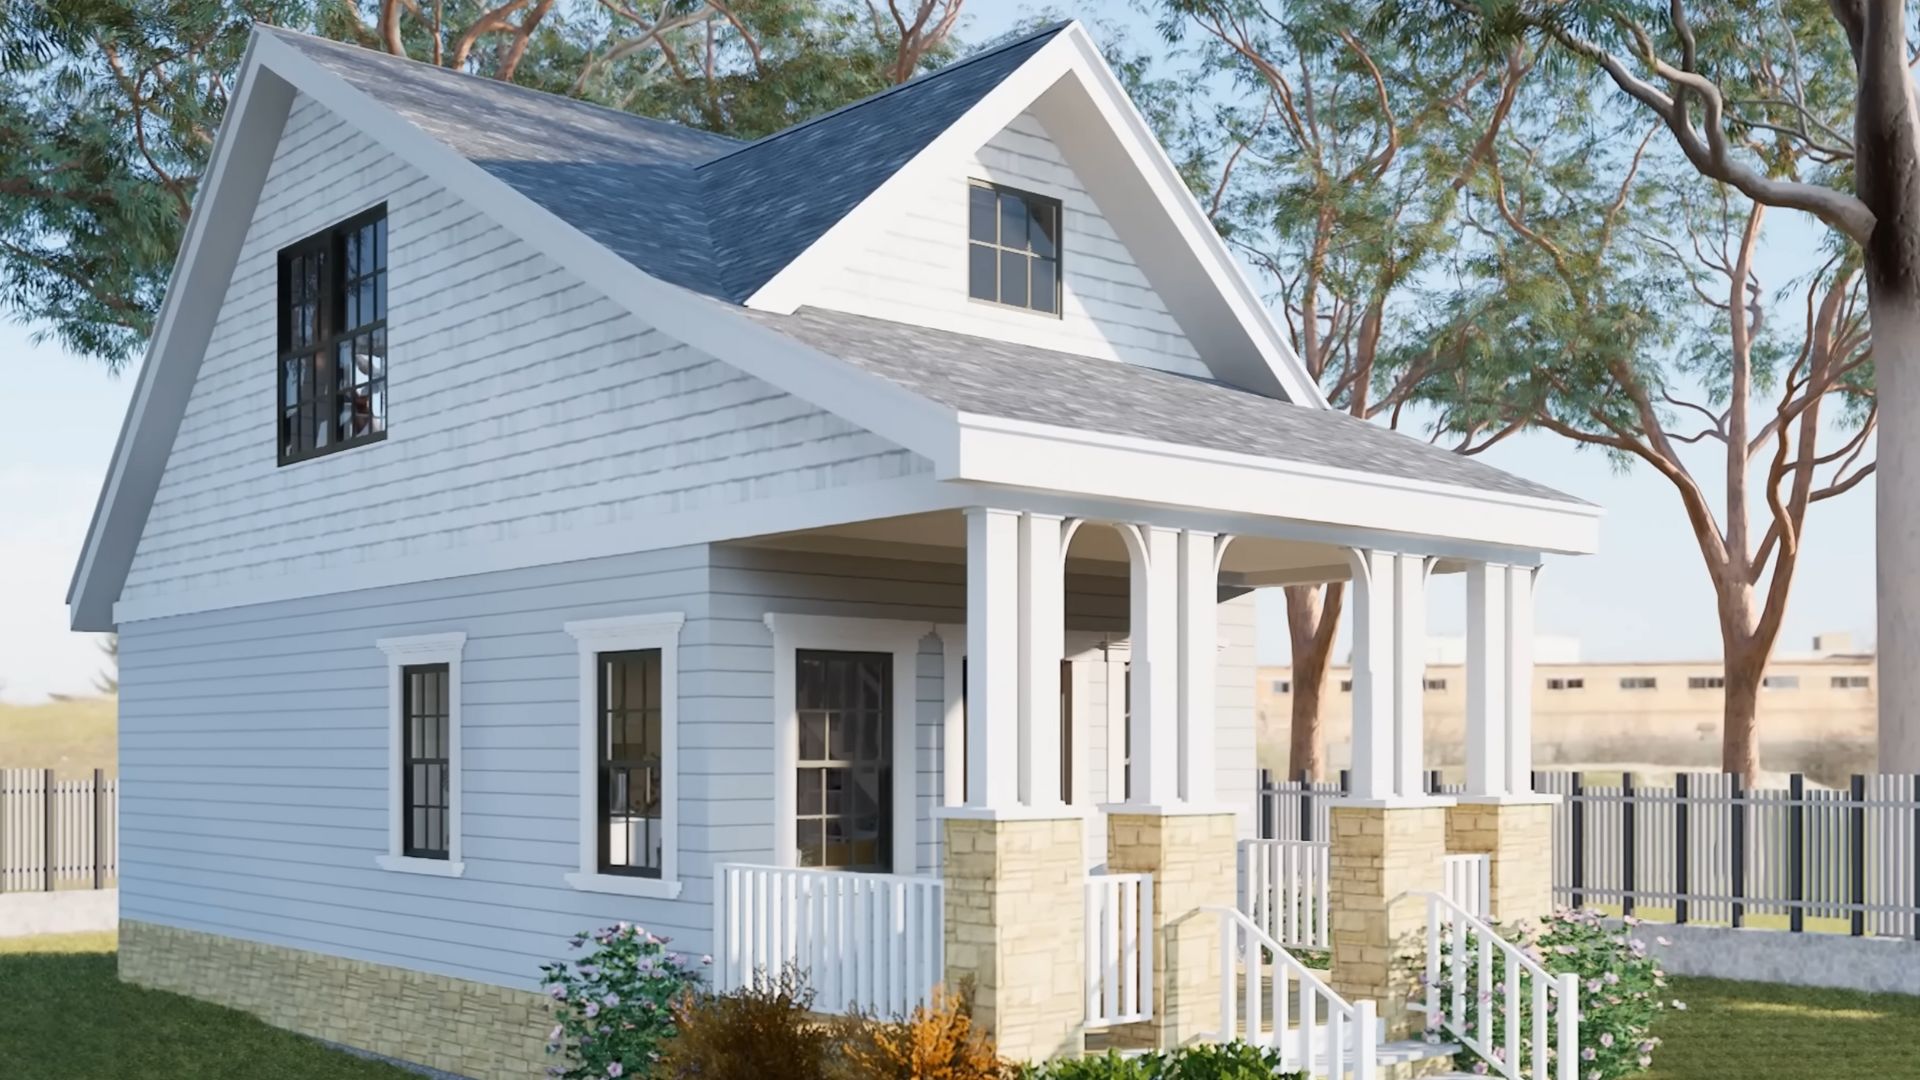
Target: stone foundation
[[1382, 860], [1015, 926], [1519, 839], [466, 1028], [1192, 858]]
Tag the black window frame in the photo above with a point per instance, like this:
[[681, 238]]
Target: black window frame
[[318, 353], [437, 706], [1001, 250], [875, 760], [606, 765]]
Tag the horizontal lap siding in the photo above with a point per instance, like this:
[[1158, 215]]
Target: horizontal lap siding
[[911, 265], [253, 753], [522, 404]]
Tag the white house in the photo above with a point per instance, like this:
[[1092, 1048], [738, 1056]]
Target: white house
[[836, 547]]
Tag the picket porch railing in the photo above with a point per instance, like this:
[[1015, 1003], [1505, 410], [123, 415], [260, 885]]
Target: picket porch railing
[[1269, 998], [1283, 889], [1119, 935], [867, 943], [1469, 883], [1497, 1001]]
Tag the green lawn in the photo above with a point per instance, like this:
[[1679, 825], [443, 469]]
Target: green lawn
[[63, 1016], [1759, 1031]]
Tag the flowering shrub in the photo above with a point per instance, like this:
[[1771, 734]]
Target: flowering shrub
[[1621, 991], [611, 1006], [1228, 1061]]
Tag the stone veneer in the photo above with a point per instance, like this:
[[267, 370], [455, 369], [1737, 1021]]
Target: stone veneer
[[1015, 926], [1192, 858], [1519, 839], [1382, 859], [467, 1028]]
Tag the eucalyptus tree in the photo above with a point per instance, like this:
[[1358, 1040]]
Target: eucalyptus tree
[[108, 108], [1797, 105], [1333, 161]]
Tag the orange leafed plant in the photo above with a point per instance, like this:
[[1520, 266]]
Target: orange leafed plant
[[938, 1042]]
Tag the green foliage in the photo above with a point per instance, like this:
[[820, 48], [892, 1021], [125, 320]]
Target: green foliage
[[108, 109], [1622, 992], [612, 1006], [1227, 1061]]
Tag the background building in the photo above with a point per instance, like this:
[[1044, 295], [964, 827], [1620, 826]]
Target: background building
[[1816, 710]]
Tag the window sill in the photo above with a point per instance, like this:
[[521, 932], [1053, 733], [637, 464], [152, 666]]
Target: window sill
[[403, 864], [620, 885]]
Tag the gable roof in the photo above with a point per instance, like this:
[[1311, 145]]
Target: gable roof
[[628, 203], [989, 377]]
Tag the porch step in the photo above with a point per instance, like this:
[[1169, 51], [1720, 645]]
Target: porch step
[[1415, 1059]]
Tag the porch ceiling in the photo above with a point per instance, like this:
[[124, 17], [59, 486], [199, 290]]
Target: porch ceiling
[[941, 536]]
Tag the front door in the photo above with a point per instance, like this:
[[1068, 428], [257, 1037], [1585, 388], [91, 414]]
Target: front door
[[844, 790]]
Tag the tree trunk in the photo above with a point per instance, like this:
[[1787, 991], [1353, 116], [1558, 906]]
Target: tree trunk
[[1313, 615], [1887, 179], [1746, 665]]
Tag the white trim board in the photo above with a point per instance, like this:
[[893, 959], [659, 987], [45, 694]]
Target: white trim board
[[899, 637]]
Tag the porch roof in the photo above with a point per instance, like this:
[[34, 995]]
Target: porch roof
[[1020, 382]]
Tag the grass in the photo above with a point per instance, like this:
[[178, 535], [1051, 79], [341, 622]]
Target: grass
[[72, 737], [1762, 1031], [64, 1016]]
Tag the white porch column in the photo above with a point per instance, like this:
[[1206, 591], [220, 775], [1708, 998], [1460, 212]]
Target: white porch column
[[1043, 584], [1154, 634], [1199, 659], [1518, 757], [993, 657], [1389, 673], [1486, 680]]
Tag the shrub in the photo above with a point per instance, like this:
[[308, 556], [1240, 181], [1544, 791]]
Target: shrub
[[1228, 1061], [937, 1042], [611, 1006], [1620, 993], [765, 1029]]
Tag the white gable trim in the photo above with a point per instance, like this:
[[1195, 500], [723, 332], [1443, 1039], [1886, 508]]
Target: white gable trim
[[1069, 62]]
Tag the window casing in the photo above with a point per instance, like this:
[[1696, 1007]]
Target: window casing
[[1013, 248], [423, 754], [629, 755], [332, 302]]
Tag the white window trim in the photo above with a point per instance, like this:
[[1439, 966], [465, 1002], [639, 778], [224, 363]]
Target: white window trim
[[403, 652], [623, 634], [845, 634]]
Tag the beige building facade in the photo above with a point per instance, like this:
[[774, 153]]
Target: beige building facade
[[1817, 711]]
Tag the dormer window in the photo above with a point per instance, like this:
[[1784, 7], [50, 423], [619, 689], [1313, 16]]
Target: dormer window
[[333, 338], [1013, 247]]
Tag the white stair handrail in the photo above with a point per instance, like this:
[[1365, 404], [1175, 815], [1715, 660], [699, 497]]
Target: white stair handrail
[[1555, 996], [1349, 1044]]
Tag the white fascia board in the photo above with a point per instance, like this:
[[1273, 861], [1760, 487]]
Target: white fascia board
[[884, 408], [1064, 460], [1070, 55], [202, 270]]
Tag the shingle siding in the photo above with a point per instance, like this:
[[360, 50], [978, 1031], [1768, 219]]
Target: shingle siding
[[911, 265], [522, 402]]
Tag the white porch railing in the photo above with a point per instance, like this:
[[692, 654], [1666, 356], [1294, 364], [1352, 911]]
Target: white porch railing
[[870, 943], [1492, 993], [1283, 889], [1469, 883], [1271, 999], [1119, 933]]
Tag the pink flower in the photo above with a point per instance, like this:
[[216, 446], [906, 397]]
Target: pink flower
[[614, 1068]]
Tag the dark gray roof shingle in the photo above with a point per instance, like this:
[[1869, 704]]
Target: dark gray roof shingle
[[1020, 382]]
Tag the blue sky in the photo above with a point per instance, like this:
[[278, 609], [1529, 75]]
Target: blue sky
[[1645, 596]]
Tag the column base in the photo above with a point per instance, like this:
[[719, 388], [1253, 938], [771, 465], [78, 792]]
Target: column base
[[1383, 860], [1516, 832], [1015, 920], [1193, 860]]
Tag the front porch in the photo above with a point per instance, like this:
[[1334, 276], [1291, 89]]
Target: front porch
[[1077, 845]]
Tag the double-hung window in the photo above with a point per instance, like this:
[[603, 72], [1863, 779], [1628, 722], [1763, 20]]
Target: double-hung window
[[1013, 247], [629, 715], [332, 305], [423, 754]]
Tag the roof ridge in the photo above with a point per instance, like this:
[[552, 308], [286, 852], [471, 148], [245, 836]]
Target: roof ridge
[[877, 95], [508, 84]]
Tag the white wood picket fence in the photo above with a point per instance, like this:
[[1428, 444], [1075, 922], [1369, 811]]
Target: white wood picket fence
[[58, 833]]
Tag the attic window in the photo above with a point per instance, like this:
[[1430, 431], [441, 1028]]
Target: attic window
[[333, 338], [1013, 247]]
